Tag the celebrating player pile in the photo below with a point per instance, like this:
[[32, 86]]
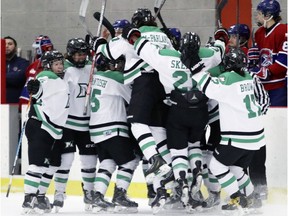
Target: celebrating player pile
[[153, 95]]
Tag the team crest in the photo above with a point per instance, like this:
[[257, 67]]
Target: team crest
[[266, 57], [82, 90]]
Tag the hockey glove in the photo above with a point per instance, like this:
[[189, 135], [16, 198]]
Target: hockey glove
[[222, 34], [263, 73], [131, 34], [253, 53], [253, 57], [96, 42], [33, 86]]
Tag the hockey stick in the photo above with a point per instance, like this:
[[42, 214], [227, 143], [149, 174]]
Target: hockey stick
[[18, 150], [157, 8], [87, 97], [237, 22], [219, 9], [82, 14], [105, 23]]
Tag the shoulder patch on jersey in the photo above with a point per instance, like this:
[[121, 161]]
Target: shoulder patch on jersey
[[48, 74], [169, 52]]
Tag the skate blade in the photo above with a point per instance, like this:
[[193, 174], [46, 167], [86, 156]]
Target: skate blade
[[39, 211], [88, 207], [123, 209], [27, 211], [96, 209], [190, 209], [57, 209], [159, 206]]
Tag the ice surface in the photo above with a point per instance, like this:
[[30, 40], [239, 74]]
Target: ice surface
[[74, 205]]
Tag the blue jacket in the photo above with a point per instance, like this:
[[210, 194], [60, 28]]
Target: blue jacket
[[15, 78]]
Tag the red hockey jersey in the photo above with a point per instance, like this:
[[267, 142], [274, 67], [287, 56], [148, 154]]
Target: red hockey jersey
[[273, 48]]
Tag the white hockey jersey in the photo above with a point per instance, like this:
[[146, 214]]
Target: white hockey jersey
[[77, 80], [52, 103], [108, 113], [239, 113], [172, 73], [134, 65]]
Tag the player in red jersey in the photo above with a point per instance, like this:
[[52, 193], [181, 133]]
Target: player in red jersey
[[271, 40], [41, 44]]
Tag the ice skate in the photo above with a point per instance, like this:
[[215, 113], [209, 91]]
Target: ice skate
[[159, 200], [158, 167], [42, 205], [58, 200], [150, 194], [29, 204], [212, 200], [168, 181], [123, 204], [174, 201], [183, 183], [195, 205], [238, 203], [100, 204], [88, 198], [197, 178], [255, 203]]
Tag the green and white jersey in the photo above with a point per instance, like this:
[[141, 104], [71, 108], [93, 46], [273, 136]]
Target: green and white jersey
[[77, 80], [108, 113], [52, 103], [239, 112], [172, 73], [134, 65]]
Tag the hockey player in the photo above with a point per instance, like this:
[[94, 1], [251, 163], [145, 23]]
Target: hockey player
[[241, 135], [110, 131], [76, 131], [41, 44], [271, 40], [243, 32], [185, 99], [119, 25], [47, 116], [147, 91]]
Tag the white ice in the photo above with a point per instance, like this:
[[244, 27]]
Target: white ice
[[74, 205]]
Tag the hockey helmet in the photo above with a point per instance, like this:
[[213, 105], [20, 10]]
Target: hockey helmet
[[42, 44], [191, 41], [143, 16], [77, 45], [269, 8], [235, 60], [49, 57], [241, 29]]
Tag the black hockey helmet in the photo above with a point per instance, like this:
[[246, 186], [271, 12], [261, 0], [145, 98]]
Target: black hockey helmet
[[191, 41], [49, 57], [143, 16], [77, 45], [235, 60]]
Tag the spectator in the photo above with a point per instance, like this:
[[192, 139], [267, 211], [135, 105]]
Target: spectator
[[271, 39], [15, 71]]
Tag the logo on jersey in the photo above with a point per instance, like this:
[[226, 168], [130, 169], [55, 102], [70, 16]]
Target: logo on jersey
[[107, 132], [266, 57], [82, 90], [69, 144]]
